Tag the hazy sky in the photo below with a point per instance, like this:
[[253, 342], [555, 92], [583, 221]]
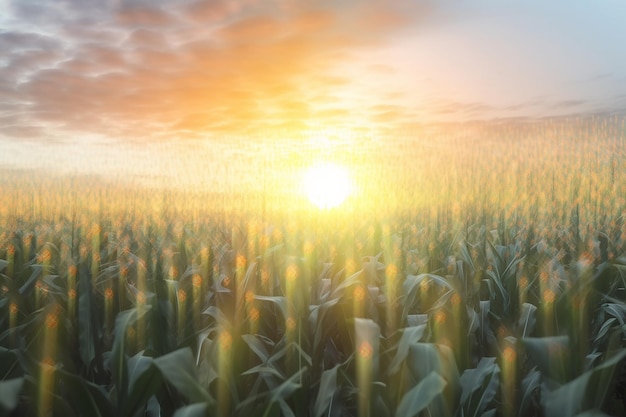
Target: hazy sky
[[87, 73]]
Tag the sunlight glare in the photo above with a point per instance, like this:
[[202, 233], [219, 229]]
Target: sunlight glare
[[327, 185]]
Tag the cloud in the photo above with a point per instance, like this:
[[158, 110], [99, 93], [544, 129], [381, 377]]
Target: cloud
[[257, 29], [16, 41], [567, 104], [210, 11], [136, 70], [129, 68], [144, 17]]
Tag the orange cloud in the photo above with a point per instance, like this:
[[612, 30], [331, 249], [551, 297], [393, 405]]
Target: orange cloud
[[145, 16], [214, 67]]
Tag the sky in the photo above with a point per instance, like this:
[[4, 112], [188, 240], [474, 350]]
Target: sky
[[96, 85]]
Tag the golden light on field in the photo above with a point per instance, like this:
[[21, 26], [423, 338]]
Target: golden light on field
[[327, 185]]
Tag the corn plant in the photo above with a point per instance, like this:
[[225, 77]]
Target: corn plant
[[491, 282]]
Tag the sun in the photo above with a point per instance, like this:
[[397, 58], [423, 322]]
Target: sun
[[327, 185]]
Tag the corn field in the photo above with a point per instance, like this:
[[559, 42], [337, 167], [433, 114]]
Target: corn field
[[482, 277]]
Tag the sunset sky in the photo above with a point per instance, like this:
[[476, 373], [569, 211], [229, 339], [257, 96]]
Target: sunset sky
[[95, 85]]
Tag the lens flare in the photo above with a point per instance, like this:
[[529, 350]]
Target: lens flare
[[327, 185]]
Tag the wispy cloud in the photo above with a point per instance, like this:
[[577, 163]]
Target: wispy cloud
[[176, 68], [181, 68]]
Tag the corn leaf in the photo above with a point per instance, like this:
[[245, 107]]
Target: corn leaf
[[264, 370], [256, 345], [144, 381], [281, 302], [286, 410], [588, 391], [530, 384], [88, 398], [9, 393], [193, 410], [283, 392], [288, 387], [119, 360], [527, 319], [479, 387], [424, 358], [86, 319], [326, 391], [593, 413], [409, 336], [421, 395], [551, 354], [606, 326], [179, 369], [32, 279], [367, 334], [346, 283]]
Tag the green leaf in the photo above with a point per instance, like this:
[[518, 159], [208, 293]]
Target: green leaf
[[30, 282], [413, 320], [527, 319], [281, 302], [588, 391], [88, 398], [144, 381], [551, 354], [617, 310], [502, 291], [367, 332], [179, 369], [264, 370], [8, 363], [424, 358], [410, 335], [442, 301], [320, 316], [86, 306], [413, 281], [593, 413], [420, 396], [3, 264], [473, 379], [218, 315], [286, 410], [256, 345], [284, 391], [495, 252], [472, 317], [193, 410], [61, 406], [465, 254], [606, 326], [248, 277], [326, 391], [153, 408], [118, 360], [10, 393], [530, 384], [347, 282], [412, 284], [479, 386], [301, 352], [288, 387], [485, 308], [202, 338]]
